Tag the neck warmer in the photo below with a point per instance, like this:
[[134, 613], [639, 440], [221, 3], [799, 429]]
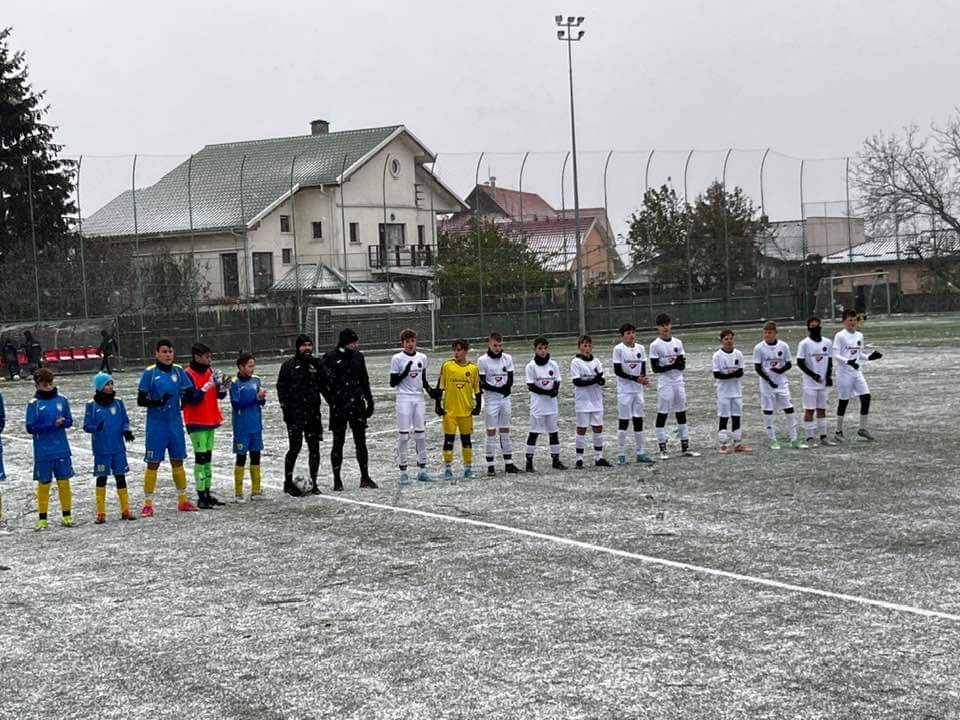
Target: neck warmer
[[541, 360], [102, 398]]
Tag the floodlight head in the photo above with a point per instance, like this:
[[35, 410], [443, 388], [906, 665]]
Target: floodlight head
[[559, 19], [580, 20], [580, 35], [570, 19], [560, 34]]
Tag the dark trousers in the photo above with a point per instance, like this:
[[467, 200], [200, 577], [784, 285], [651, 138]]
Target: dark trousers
[[358, 427], [296, 433], [105, 364]]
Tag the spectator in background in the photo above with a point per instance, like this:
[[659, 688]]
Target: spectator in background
[[33, 351], [10, 358], [108, 348]]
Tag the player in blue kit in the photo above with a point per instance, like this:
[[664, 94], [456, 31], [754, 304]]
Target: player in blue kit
[[105, 418], [162, 387], [48, 417], [247, 396]]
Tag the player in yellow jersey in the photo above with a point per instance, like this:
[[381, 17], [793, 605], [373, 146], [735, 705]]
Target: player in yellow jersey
[[459, 401]]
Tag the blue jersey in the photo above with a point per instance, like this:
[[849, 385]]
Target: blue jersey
[[247, 416], [109, 438], [157, 382], [49, 441], [3, 415]]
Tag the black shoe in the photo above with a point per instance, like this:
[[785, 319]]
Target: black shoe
[[557, 465], [491, 471], [202, 502], [212, 500], [337, 485], [529, 465], [368, 484], [510, 469], [684, 445], [314, 490], [578, 464], [602, 462], [290, 489]]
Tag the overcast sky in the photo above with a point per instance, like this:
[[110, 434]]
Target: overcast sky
[[809, 79]]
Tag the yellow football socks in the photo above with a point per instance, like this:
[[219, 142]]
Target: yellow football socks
[[101, 500], [149, 485], [467, 456], [180, 480], [238, 480], [124, 500], [43, 499], [66, 497], [255, 479]]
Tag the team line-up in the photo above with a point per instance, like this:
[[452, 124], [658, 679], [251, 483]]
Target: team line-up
[[178, 399]]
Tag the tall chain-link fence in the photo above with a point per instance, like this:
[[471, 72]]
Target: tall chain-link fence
[[232, 248]]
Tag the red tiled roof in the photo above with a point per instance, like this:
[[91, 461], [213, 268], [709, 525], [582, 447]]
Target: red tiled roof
[[513, 202]]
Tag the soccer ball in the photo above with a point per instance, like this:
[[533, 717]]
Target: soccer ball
[[302, 484]]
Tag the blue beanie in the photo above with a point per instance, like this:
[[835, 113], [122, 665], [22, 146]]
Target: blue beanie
[[101, 379]]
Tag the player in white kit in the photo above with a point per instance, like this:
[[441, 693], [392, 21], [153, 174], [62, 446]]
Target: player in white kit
[[668, 362], [728, 371], [630, 367], [771, 360], [496, 382], [586, 374], [408, 377], [814, 358], [543, 381], [849, 352]]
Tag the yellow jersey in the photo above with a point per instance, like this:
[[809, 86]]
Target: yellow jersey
[[460, 384]]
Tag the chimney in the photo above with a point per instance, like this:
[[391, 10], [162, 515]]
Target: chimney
[[493, 181], [319, 127]]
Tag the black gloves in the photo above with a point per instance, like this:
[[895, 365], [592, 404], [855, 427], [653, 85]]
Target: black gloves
[[772, 384], [829, 381], [476, 408], [128, 436], [439, 408], [100, 426], [164, 399], [600, 379], [875, 355], [435, 393], [554, 391], [816, 378], [368, 411], [854, 364]]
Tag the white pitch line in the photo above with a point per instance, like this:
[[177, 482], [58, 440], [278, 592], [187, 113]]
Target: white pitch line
[[656, 560], [650, 559]]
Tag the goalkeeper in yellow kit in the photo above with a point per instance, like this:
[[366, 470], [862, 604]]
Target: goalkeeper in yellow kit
[[459, 401]]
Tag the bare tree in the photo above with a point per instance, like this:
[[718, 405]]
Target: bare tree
[[901, 177]]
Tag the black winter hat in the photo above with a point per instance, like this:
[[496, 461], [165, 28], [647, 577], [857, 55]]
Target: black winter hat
[[301, 340], [347, 336]]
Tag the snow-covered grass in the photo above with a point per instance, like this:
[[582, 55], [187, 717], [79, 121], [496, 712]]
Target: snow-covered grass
[[302, 608]]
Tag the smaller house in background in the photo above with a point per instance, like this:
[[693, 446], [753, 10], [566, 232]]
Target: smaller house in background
[[549, 232]]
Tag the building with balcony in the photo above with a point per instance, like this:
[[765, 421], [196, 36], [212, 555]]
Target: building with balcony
[[349, 214]]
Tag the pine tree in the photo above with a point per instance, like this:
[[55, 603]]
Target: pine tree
[[26, 145]]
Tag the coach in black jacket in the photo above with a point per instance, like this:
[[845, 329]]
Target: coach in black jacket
[[351, 403], [300, 385]]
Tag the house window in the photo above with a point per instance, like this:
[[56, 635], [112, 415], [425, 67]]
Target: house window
[[421, 235], [355, 232], [230, 273], [393, 235], [284, 223], [286, 256], [318, 231], [395, 167], [262, 272]]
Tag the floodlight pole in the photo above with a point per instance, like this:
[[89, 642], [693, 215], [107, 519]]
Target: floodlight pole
[[566, 35]]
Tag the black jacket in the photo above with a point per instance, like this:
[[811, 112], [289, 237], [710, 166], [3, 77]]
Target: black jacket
[[300, 385], [349, 395]]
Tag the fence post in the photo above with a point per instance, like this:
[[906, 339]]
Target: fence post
[[250, 330], [83, 262], [803, 247], [476, 228], [296, 254], [606, 222], [763, 252], [33, 238], [726, 239], [686, 166], [138, 276], [526, 248]]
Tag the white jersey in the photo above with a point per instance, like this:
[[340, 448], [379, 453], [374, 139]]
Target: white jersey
[[848, 346], [412, 385], [667, 352], [770, 357], [590, 398], [726, 363], [543, 376], [631, 360], [495, 370], [815, 355]]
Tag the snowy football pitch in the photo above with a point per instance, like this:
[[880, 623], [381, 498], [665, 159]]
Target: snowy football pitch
[[818, 583]]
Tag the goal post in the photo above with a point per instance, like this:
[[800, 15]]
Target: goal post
[[867, 293], [378, 324]]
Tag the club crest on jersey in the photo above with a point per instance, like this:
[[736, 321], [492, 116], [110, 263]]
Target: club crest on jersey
[[419, 364], [736, 361], [858, 343], [551, 373], [59, 407], [113, 410], [824, 348], [779, 353], [175, 377]]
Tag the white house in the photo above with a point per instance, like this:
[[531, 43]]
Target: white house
[[351, 212]]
